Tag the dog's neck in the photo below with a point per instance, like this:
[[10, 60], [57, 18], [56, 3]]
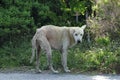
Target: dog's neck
[[72, 40]]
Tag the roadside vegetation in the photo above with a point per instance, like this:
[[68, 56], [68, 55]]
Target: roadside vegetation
[[100, 50]]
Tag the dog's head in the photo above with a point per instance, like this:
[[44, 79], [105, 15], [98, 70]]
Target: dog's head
[[78, 33]]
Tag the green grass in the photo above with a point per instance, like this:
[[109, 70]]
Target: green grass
[[82, 58], [14, 54]]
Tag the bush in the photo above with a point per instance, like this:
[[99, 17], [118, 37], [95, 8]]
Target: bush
[[14, 55], [80, 58], [103, 41], [106, 21]]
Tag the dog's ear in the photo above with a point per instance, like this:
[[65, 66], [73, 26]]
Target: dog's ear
[[83, 27]]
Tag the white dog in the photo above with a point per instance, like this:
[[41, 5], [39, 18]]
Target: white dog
[[53, 37]]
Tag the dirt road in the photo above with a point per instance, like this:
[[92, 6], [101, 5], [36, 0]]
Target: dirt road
[[51, 76]]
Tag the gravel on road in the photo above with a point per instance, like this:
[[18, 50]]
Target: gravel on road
[[51, 76]]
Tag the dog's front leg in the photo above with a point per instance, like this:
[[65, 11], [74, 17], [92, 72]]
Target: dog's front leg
[[64, 60]]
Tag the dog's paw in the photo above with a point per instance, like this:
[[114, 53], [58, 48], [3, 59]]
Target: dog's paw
[[53, 70], [67, 70], [56, 72], [38, 71]]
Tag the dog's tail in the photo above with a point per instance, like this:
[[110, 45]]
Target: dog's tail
[[33, 41]]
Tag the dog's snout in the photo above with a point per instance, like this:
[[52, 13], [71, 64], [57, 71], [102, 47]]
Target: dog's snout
[[78, 41]]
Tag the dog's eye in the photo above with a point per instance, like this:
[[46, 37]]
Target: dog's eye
[[76, 34], [80, 34]]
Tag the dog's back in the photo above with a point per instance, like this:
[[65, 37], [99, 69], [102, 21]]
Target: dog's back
[[54, 35]]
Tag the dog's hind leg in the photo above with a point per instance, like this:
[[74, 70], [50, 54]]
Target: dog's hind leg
[[49, 61], [33, 41], [46, 46], [38, 58]]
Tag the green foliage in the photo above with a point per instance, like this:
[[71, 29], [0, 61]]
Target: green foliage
[[106, 21], [21, 17], [74, 6], [103, 41], [14, 55], [100, 59], [15, 19], [81, 58]]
